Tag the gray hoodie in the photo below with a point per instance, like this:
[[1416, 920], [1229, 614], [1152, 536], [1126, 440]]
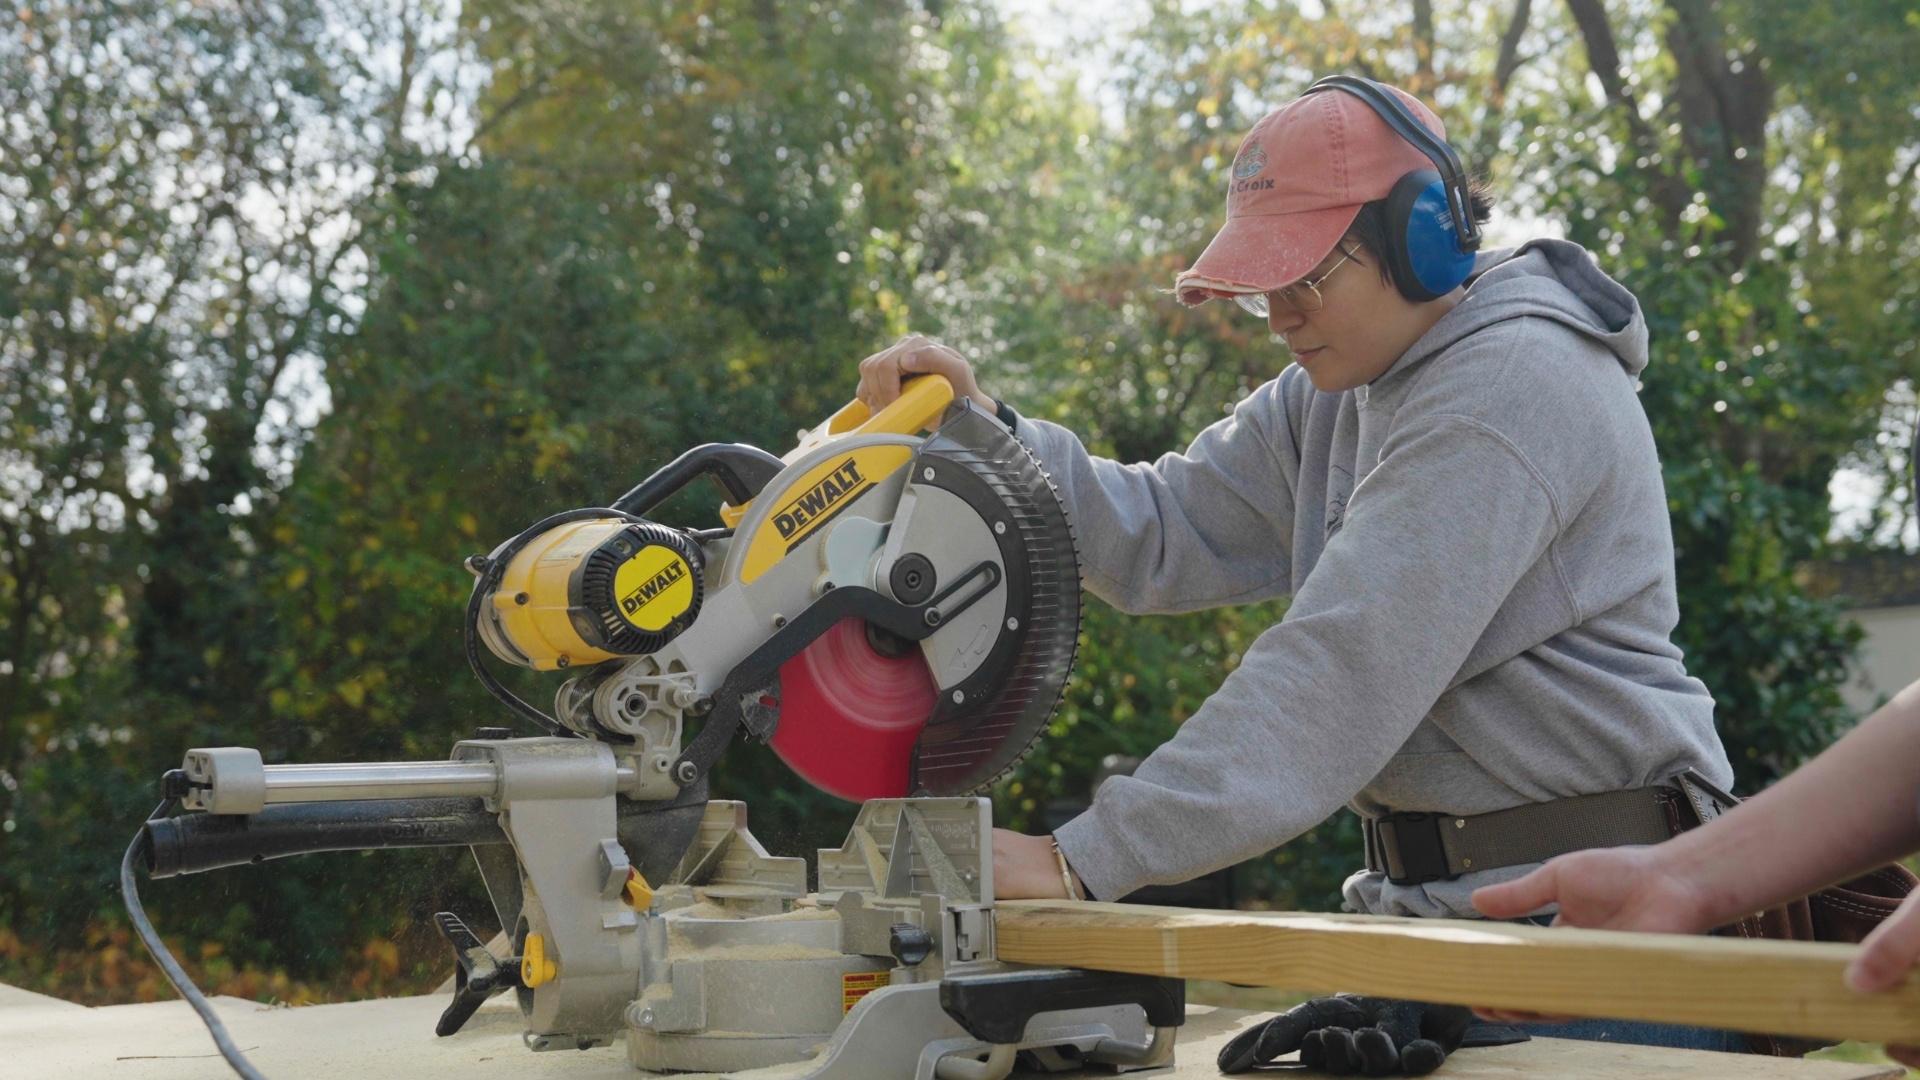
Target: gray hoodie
[[1482, 575]]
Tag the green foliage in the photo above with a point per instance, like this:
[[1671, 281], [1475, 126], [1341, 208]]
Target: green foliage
[[285, 334]]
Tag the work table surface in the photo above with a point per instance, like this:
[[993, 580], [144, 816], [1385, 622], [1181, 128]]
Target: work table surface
[[46, 1038]]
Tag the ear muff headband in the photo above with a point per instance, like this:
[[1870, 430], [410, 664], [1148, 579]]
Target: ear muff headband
[[1394, 114], [1431, 228]]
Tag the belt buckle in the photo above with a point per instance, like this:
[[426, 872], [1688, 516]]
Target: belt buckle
[[1412, 840]]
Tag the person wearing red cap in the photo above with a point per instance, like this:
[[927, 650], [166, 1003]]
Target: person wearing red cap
[[1456, 484]]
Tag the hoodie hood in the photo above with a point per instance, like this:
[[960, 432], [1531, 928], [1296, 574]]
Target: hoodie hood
[[1548, 279]]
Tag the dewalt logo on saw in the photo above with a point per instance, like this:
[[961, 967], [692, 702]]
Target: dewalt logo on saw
[[816, 498], [815, 504], [654, 587]]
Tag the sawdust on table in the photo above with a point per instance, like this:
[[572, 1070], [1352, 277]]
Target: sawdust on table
[[710, 909], [679, 948]]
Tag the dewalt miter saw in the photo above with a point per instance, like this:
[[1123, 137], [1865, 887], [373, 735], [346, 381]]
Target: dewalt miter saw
[[895, 613]]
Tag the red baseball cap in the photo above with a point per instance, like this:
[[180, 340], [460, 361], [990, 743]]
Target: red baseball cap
[[1296, 185]]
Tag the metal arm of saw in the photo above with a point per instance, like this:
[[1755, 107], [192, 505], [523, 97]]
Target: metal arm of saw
[[561, 892]]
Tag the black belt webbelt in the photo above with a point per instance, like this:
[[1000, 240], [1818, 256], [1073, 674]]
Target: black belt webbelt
[[1416, 848]]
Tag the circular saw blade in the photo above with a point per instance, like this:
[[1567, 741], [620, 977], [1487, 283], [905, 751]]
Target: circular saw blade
[[969, 745], [850, 717]]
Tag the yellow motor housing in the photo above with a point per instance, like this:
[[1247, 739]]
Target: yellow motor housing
[[594, 590]]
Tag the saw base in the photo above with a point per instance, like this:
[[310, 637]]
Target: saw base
[[886, 973]]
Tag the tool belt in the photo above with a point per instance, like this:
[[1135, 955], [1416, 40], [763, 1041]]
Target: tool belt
[[1416, 848]]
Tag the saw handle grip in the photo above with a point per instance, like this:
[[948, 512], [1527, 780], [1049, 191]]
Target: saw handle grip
[[922, 399]]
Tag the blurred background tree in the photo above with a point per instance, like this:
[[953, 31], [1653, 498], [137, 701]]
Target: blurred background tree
[[303, 301]]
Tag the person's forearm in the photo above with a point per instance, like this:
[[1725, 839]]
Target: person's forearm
[[1845, 812]]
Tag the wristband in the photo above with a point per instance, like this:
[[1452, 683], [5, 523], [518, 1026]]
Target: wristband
[[1074, 891]]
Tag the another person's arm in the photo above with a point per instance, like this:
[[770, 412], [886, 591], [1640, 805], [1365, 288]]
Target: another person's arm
[[1847, 811]]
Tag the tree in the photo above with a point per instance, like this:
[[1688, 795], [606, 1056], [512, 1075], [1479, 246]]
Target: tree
[[177, 233]]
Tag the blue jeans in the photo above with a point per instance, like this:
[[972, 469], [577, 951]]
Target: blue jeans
[[1642, 1033], [1638, 1032]]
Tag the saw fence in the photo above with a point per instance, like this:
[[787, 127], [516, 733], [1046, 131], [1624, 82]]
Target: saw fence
[[1789, 988]]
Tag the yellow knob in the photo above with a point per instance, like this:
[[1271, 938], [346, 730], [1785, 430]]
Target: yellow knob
[[535, 968]]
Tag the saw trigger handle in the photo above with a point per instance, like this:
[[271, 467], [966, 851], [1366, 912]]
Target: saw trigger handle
[[477, 976]]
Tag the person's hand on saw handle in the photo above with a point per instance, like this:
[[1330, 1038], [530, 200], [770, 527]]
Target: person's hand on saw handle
[[882, 373]]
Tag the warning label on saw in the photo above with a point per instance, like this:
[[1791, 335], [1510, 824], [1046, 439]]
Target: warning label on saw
[[855, 985]]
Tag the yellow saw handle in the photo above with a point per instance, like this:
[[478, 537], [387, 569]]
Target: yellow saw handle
[[922, 399]]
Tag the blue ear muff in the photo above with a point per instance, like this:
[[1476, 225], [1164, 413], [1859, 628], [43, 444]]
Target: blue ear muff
[[1424, 252]]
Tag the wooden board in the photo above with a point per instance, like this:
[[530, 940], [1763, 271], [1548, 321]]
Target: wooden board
[[1777, 987]]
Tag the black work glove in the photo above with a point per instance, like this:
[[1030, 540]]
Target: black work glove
[[1352, 1035]]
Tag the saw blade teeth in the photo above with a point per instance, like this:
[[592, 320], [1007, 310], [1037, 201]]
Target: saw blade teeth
[[1000, 738]]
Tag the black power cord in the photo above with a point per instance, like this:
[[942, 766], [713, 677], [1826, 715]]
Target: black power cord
[[171, 967]]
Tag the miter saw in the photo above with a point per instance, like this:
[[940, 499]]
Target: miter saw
[[895, 613]]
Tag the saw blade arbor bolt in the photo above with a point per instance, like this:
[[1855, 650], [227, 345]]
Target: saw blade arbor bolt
[[912, 578], [959, 697]]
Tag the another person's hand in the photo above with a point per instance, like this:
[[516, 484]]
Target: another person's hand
[[1623, 888], [1886, 957], [1633, 888], [882, 373], [1024, 868]]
